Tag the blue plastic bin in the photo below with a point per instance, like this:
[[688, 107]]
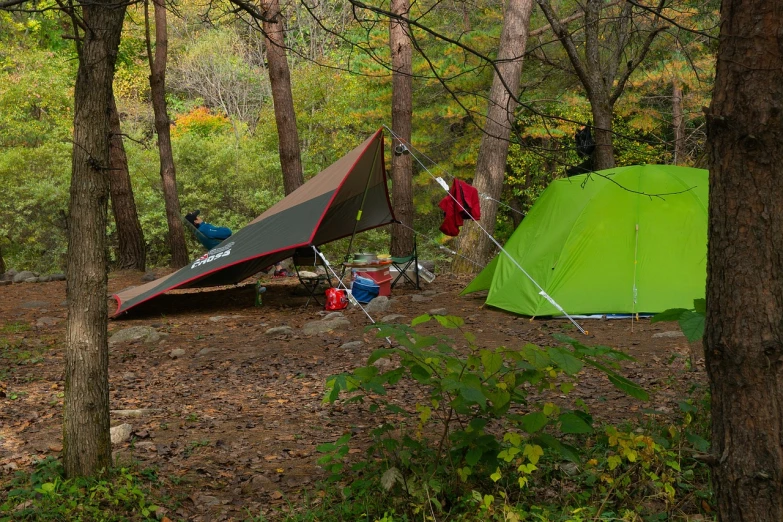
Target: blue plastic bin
[[364, 290]]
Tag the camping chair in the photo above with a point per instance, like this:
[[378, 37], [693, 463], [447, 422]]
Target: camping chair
[[305, 258], [207, 242], [403, 263]]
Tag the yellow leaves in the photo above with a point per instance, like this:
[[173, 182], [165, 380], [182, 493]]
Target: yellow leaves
[[614, 461], [533, 452]]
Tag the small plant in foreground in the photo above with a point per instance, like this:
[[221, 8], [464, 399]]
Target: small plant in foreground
[[44, 494], [474, 427]]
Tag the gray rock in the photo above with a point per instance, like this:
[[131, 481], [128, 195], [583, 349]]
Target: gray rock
[[133, 413], [392, 318], [429, 293], [31, 280], [4, 282], [9, 275], [149, 276], [146, 445], [48, 321], [221, 318], [23, 275], [379, 304], [332, 315], [57, 277], [280, 330], [34, 304], [206, 351], [438, 311], [671, 333], [145, 334], [384, 364], [44, 279], [352, 345], [128, 376], [177, 352], [121, 433], [322, 326], [418, 298]]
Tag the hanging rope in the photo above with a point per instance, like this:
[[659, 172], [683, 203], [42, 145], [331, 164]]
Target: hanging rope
[[443, 185]]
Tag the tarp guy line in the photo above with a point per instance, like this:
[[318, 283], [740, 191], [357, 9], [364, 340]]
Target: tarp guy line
[[541, 292]]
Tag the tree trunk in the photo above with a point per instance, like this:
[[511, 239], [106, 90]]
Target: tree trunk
[[2, 263], [131, 254], [744, 326], [603, 157], [402, 114], [86, 442], [677, 122], [609, 59], [282, 97], [179, 250], [473, 243]]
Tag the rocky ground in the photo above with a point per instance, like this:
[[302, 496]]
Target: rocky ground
[[224, 398]]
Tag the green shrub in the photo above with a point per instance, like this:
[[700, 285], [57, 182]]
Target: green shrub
[[44, 494]]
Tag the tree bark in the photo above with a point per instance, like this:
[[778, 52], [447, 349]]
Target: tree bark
[[86, 442], [473, 245], [282, 97], [402, 114], [131, 254], [744, 324], [176, 236], [678, 122], [2, 263]]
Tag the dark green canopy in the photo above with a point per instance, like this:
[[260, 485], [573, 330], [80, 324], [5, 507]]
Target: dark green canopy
[[324, 209]]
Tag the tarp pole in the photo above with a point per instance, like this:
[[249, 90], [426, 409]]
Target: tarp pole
[[364, 198]]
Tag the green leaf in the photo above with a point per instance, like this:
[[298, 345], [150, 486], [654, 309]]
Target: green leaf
[[449, 321], [473, 456], [532, 422], [672, 314], [629, 387], [572, 423], [698, 442], [473, 394], [536, 356], [700, 306], [492, 361], [377, 354], [565, 451], [692, 324], [570, 364], [421, 319]]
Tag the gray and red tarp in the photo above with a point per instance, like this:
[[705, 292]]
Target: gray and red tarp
[[322, 210]]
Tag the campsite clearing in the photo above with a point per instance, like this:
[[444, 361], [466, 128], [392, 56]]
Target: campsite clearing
[[231, 415]]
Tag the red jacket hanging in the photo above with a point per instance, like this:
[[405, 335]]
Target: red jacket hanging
[[461, 196]]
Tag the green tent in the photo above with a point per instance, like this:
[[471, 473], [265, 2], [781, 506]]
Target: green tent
[[605, 244]]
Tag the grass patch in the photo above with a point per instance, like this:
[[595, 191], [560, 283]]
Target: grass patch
[[14, 327], [119, 494]]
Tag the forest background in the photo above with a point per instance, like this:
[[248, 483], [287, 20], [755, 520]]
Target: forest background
[[223, 130]]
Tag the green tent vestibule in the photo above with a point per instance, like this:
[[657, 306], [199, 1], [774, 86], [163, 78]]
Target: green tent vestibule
[[632, 240]]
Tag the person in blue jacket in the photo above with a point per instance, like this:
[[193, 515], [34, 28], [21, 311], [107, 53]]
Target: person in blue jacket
[[213, 232], [208, 229]]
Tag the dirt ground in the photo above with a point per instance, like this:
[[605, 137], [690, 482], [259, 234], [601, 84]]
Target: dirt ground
[[232, 424]]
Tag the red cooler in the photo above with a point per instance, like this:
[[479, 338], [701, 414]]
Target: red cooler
[[382, 278]]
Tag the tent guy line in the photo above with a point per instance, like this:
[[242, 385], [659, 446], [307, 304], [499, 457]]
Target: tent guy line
[[482, 195], [440, 182]]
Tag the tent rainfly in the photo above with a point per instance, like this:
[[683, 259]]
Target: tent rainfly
[[349, 195], [606, 246]]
